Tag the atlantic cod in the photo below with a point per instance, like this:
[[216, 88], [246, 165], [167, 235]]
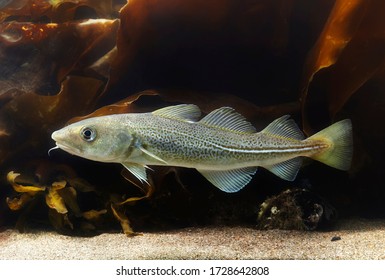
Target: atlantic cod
[[224, 147]]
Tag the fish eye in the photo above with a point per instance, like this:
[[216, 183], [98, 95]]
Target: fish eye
[[88, 134]]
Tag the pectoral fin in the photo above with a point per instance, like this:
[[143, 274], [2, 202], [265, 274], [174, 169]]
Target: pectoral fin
[[286, 170], [138, 170], [229, 180], [152, 155]]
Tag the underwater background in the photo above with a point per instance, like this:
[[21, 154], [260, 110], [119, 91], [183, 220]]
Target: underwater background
[[61, 61]]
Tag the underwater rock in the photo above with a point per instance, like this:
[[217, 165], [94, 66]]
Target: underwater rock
[[295, 209]]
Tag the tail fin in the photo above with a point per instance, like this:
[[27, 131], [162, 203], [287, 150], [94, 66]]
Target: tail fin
[[339, 136]]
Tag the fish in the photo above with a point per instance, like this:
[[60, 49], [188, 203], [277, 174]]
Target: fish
[[222, 146]]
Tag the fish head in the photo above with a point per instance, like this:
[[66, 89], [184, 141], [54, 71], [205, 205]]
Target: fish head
[[100, 139]]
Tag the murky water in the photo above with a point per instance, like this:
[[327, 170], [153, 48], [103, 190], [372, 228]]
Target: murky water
[[319, 62]]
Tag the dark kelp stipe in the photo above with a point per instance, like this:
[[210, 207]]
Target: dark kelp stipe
[[319, 62]]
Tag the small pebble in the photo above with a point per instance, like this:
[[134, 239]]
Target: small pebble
[[336, 238]]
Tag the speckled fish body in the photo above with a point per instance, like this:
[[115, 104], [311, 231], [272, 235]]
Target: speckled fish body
[[197, 145], [222, 146]]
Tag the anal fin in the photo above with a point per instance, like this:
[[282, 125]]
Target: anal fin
[[286, 170], [229, 180]]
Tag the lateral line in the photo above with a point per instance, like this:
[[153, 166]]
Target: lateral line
[[265, 151]]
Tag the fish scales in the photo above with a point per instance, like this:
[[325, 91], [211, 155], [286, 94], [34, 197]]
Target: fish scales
[[188, 144]]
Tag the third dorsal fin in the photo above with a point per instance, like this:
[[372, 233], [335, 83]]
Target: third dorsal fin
[[227, 118], [286, 127]]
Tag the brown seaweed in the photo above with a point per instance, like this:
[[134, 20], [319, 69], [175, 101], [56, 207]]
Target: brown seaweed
[[34, 103], [58, 190], [62, 61], [349, 52], [26, 47], [57, 10]]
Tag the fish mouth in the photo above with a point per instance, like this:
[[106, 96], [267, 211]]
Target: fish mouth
[[78, 152], [68, 149]]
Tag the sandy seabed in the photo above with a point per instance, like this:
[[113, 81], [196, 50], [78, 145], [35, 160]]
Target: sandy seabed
[[351, 239]]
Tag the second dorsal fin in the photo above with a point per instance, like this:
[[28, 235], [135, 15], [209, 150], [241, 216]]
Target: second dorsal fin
[[227, 118], [185, 112]]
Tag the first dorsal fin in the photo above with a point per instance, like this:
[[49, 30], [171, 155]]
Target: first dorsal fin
[[227, 118], [186, 112], [286, 127]]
